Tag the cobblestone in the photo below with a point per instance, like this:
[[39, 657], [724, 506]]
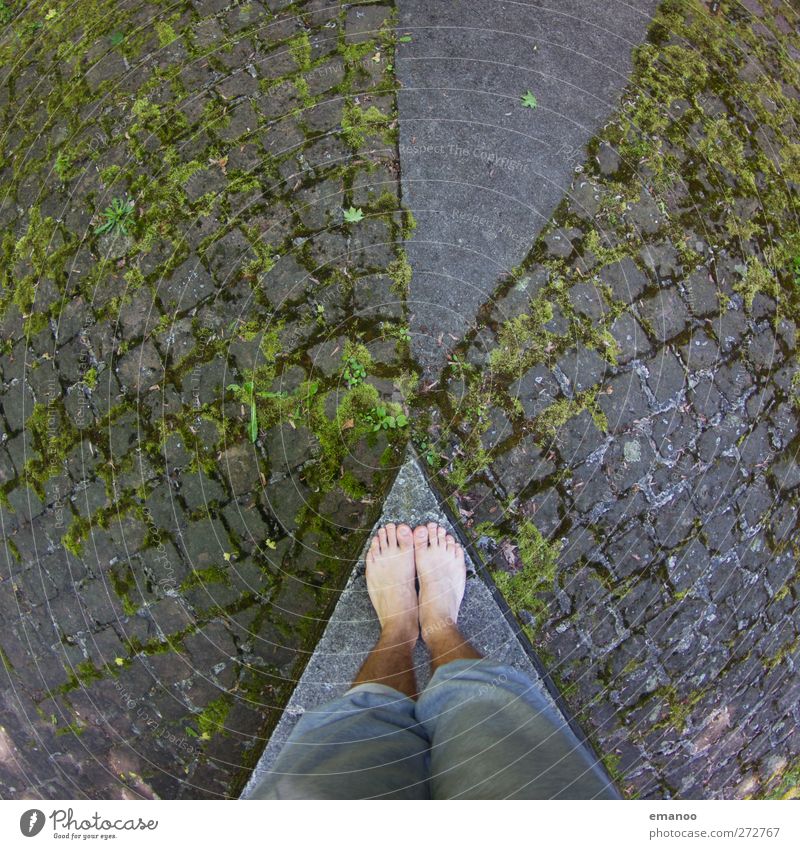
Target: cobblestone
[[157, 580], [674, 457]]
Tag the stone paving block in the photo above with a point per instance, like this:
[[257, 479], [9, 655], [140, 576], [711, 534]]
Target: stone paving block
[[578, 438], [666, 314], [583, 368], [630, 337], [520, 465], [626, 280], [622, 401], [666, 378]]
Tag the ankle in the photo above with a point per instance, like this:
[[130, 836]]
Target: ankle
[[440, 631], [400, 634]]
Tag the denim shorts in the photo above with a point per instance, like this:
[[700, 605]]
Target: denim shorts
[[479, 730]]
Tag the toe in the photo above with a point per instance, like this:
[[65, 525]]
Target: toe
[[451, 543], [375, 545], [382, 538], [420, 536], [441, 534], [404, 537], [391, 534], [433, 535]]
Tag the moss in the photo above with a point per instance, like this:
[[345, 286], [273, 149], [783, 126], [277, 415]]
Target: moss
[[300, 48], [353, 53], [400, 272], [75, 535], [523, 340], [210, 575], [464, 468], [796, 388], [756, 278], [557, 415], [789, 782], [339, 435], [358, 123], [524, 588], [357, 351], [211, 720], [679, 707]]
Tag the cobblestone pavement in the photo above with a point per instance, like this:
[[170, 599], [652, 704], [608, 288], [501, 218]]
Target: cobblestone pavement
[[169, 560], [620, 428], [481, 173], [206, 375]]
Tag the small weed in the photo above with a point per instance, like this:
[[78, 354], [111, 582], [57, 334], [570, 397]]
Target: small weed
[[426, 450], [529, 100], [354, 372], [247, 395], [381, 419], [118, 216]]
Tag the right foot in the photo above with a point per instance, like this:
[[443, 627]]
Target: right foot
[[442, 577]]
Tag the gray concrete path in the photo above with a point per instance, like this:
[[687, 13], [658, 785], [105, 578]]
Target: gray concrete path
[[481, 172], [353, 628]]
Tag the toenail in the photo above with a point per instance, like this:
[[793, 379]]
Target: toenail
[[404, 530]]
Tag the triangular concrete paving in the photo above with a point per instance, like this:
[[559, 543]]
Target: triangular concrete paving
[[353, 628], [481, 173]]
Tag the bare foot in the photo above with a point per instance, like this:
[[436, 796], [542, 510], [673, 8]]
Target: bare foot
[[390, 581], [442, 577]]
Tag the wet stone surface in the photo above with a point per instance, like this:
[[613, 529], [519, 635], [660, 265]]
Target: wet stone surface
[[640, 512], [171, 559], [203, 304]]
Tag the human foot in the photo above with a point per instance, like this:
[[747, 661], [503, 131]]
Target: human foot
[[442, 577], [390, 581]]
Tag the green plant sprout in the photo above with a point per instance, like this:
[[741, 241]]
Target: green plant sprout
[[246, 394], [529, 100], [426, 449], [354, 372], [353, 215], [117, 215], [380, 419]]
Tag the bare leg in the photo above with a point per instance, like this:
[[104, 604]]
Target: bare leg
[[442, 578], [390, 582]]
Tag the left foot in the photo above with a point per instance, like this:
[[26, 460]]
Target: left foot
[[390, 581]]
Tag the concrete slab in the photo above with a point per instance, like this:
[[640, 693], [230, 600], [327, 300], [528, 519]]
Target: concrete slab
[[353, 628], [480, 172]]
